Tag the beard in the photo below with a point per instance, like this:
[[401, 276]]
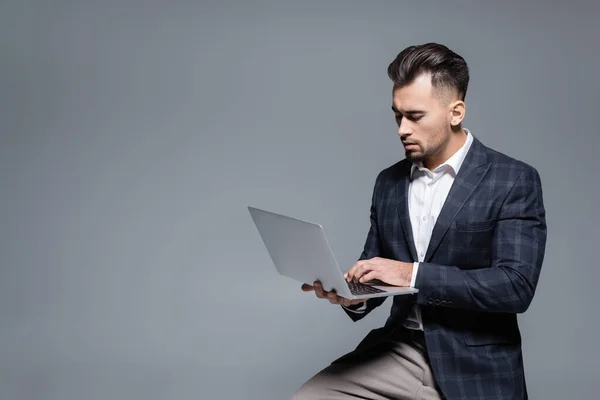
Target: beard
[[425, 149], [414, 157]]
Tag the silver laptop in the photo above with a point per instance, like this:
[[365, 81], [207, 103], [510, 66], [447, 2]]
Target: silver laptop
[[300, 250]]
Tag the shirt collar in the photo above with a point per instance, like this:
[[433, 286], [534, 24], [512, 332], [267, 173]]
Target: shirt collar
[[454, 162]]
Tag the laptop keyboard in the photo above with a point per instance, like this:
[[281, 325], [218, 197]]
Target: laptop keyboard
[[357, 289]]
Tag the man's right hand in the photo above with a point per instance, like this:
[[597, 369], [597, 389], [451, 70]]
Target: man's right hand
[[331, 296]]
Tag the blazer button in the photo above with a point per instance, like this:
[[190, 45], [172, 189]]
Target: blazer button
[[437, 302], [444, 302], [430, 301]]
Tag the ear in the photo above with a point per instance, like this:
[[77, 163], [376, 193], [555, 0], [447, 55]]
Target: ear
[[457, 112]]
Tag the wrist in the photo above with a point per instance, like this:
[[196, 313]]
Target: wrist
[[406, 273]]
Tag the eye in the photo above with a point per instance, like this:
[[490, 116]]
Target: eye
[[410, 117]]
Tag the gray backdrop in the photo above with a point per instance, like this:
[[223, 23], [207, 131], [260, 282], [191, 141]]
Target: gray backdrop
[[135, 133]]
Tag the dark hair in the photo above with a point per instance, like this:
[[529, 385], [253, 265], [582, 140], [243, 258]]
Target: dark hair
[[448, 70]]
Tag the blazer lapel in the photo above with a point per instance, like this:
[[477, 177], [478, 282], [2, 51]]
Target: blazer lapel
[[402, 208], [469, 176]]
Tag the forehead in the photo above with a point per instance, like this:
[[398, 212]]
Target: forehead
[[416, 95]]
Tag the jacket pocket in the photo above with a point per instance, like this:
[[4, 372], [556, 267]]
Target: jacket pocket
[[470, 246]]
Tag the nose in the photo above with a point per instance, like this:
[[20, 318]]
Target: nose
[[404, 130]]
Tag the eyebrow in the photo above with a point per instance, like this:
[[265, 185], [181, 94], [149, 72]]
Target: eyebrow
[[394, 109]]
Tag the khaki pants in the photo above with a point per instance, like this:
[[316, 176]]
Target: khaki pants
[[385, 365]]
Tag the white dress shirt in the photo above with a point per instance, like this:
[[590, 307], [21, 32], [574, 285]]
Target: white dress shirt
[[427, 193]]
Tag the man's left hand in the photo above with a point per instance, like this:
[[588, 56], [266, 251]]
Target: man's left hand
[[392, 272]]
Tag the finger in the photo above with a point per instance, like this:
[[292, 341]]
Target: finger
[[319, 290], [333, 297], [350, 275], [307, 288], [365, 268], [320, 293], [370, 276]]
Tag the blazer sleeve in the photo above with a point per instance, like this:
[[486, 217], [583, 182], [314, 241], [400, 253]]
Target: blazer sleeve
[[509, 284], [371, 249]]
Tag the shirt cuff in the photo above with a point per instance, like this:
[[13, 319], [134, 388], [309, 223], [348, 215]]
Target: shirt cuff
[[358, 310], [413, 279]]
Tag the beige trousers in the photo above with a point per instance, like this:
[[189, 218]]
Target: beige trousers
[[385, 365]]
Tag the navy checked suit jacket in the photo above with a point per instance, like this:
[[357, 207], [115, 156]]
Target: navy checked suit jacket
[[481, 269]]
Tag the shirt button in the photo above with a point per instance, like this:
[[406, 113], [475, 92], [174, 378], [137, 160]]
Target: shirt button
[[422, 254], [424, 218]]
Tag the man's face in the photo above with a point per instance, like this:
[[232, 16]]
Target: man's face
[[423, 119]]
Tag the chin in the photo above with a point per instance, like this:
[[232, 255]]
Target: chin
[[414, 157]]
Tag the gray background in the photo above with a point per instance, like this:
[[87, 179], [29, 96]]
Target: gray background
[[135, 133]]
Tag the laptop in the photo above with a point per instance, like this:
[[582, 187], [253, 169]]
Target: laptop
[[300, 250]]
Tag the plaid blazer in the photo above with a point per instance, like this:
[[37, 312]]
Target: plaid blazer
[[481, 269]]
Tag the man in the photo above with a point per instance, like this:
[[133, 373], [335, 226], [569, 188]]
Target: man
[[462, 223]]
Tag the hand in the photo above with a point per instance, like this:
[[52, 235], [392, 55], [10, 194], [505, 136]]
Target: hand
[[392, 272], [331, 296]]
